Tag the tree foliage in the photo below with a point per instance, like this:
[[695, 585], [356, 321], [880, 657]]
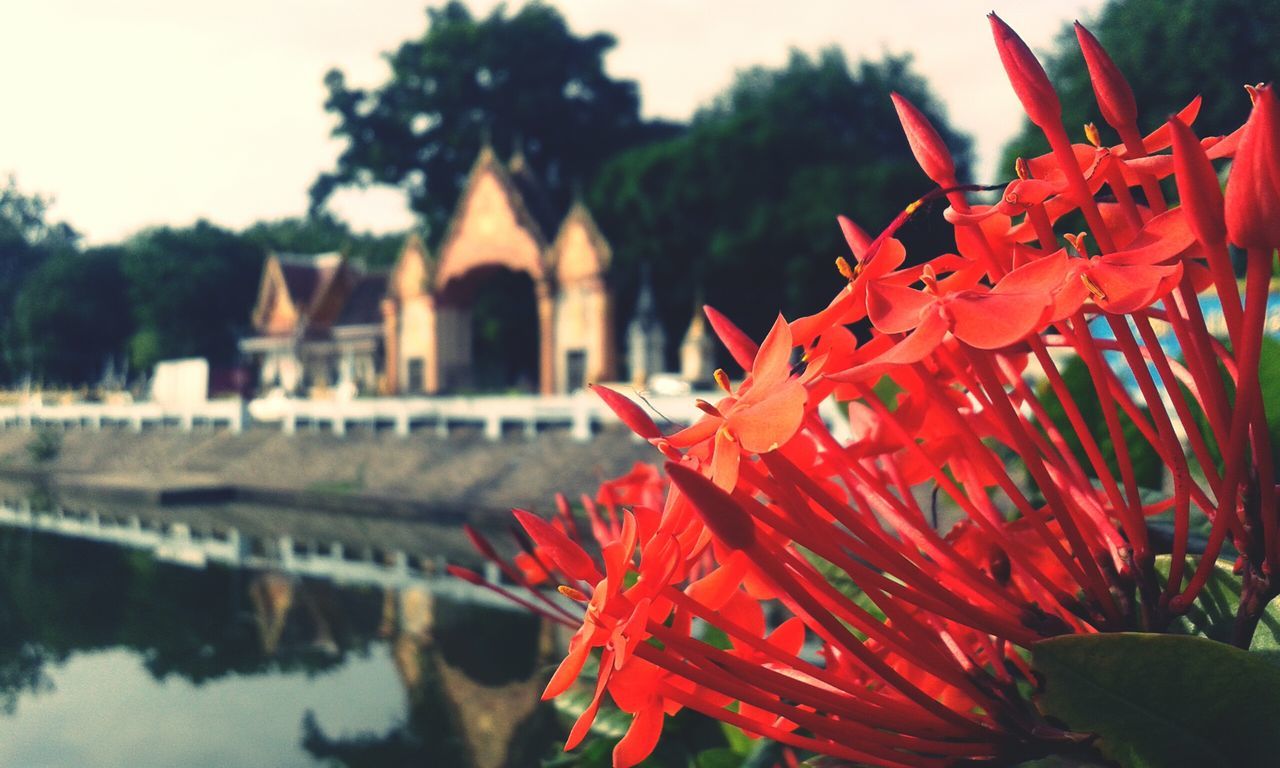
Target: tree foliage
[[1170, 51], [191, 291], [743, 205], [71, 318], [520, 80], [323, 233], [27, 238]]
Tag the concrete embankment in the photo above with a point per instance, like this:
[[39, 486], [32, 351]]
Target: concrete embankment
[[462, 476]]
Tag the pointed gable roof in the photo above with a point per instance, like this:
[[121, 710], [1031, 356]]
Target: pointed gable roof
[[491, 226], [580, 251], [291, 289], [411, 274], [306, 276]]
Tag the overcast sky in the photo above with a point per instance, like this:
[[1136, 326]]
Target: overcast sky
[[140, 112]]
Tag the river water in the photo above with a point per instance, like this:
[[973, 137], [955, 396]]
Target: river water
[[132, 641]]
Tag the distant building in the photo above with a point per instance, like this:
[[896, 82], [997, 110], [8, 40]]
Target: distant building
[[322, 322], [646, 342], [502, 220], [317, 324]]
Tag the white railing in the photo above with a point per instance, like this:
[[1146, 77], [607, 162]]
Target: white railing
[[136, 416], [176, 543], [495, 415]]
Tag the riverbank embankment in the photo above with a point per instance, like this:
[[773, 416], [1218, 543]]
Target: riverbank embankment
[[460, 475]]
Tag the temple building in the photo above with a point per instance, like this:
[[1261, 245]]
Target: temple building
[[323, 322], [318, 325]]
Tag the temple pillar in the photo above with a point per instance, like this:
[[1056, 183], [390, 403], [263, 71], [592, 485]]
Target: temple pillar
[[390, 347], [546, 338]]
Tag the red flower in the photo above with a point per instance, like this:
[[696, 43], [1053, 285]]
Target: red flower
[[1253, 188]]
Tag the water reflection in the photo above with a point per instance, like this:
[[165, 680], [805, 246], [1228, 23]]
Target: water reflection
[[108, 651]]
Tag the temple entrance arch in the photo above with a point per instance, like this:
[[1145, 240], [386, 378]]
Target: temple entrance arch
[[490, 336], [498, 240], [492, 228]]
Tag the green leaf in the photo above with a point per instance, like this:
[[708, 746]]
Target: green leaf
[[1163, 700], [720, 757], [610, 722], [1214, 613], [1266, 638], [739, 742]]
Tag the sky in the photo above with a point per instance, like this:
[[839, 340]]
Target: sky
[[134, 113]]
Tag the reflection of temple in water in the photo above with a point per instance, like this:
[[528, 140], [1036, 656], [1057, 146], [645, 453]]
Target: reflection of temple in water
[[472, 674]]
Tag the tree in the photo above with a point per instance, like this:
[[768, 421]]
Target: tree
[[72, 316], [192, 291], [1170, 51], [322, 233], [523, 80], [742, 207], [27, 238]]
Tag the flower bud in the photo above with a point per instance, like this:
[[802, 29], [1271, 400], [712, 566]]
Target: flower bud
[[1115, 97], [1198, 187], [930, 150], [1026, 75], [1253, 189]]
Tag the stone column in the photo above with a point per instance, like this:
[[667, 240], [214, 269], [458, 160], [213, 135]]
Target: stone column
[[546, 338], [390, 347]]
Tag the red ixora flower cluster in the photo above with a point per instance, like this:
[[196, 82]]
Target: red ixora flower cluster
[[759, 504]]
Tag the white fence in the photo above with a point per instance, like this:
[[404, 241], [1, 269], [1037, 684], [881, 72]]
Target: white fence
[[177, 543], [581, 414]]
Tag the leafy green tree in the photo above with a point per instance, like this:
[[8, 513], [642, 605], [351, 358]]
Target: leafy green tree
[[322, 233], [192, 291], [72, 315], [521, 79], [27, 238], [1170, 51], [743, 205]]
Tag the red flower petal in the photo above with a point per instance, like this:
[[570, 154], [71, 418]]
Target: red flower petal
[[568, 556], [640, 739], [895, 308], [741, 348], [995, 320], [729, 522], [631, 414], [763, 426], [773, 362]]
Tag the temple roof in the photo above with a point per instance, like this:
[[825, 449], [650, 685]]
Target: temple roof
[[363, 305], [305, 276]]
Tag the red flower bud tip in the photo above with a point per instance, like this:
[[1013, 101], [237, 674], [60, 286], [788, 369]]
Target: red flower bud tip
[[857, 240], [1115, 97], [741, 348], [1197, 185], [727, 521], [1026, 75], [628, 412], [930, 150], [1022, 168], [1253, 189]]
